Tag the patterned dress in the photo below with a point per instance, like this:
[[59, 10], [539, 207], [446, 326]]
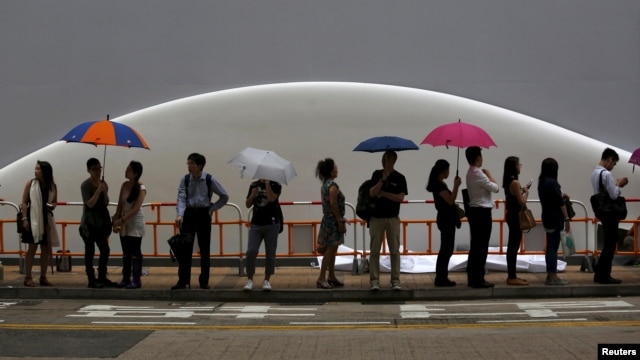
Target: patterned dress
[[329, 234]]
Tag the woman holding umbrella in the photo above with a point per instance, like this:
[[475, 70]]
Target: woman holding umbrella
[[265, 225], [95, 224], [334, 225], [447, 218]]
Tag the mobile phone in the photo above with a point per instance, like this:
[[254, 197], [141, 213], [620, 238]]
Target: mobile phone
[[529, 183]]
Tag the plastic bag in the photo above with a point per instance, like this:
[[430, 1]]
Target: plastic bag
[[568, 244]]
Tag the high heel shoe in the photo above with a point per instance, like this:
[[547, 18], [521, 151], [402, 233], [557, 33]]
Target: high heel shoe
[[44, 281], [335, 283], [323, 285], [28, 281]]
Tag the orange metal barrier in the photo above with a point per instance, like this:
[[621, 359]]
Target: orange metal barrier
[[157, 223]]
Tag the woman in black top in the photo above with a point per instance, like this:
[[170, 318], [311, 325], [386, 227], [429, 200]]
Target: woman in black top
[[265, 225], [514, 193], [554, 217], [447, 218]]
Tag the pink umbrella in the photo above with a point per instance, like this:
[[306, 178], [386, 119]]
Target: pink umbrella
[[459, 134], [635, 158]]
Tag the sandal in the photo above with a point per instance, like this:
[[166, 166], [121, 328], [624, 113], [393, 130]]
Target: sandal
[[28, 282], [323, 285], [335, 283], [44, 281]]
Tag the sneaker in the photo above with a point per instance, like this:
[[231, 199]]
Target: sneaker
[[556, 282], [517, 281], [395, 285], [266, 285], [375, 286], [248, 286]]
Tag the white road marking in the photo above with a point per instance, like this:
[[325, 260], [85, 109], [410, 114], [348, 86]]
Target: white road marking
[[142, 323], [532, 309], [340, 323], [4, 305], [519, 321]]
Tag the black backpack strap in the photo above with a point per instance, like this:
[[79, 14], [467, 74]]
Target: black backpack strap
[[186, 186], [208, 180]]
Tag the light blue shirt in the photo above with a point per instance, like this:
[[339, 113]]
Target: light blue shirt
[[199, 195]]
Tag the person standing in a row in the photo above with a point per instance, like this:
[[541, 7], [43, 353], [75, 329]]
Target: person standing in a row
[[602, 176], [95, 225], [447, 218], [480, 185], [35, 219], [333, 225], [194, 212], [554, 217], [515, 200], [388, 192], [128, 221], [265, 225]]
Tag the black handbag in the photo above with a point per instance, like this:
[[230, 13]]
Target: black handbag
[[606, 208], [19, 224], [571, 213], [181, 245]]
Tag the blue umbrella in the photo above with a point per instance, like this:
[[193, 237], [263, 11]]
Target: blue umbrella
[[386, 143]]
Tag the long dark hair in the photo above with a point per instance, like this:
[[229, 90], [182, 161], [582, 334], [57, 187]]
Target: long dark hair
[[136, 167], [324, 168], [548, 169], [438, 168], [47, 174], [510, 172]]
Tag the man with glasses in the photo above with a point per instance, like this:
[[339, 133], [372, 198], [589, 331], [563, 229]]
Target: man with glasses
[[602, 175], [95, 225], [194, 211]]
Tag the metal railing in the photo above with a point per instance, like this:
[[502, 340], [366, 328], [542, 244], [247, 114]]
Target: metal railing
[[154, 220]]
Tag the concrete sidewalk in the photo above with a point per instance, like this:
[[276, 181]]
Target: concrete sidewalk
[[298, 285]]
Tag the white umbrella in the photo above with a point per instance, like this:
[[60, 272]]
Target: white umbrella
[[263, 164]]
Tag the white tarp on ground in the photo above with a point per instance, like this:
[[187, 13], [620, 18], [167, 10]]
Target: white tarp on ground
[[416, 264]]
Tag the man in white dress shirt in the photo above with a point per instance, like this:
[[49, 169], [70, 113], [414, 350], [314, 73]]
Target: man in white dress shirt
[[480, 185], [610, 224]]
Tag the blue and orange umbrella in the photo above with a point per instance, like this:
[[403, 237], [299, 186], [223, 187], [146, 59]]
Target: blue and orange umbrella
[[107, 133]]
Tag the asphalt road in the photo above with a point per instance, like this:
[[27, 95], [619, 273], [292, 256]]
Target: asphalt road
[[494, 329]]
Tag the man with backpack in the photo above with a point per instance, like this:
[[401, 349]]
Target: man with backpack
[[389, 187], [194, 211]]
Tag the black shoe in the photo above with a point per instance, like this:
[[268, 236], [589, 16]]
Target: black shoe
[[335, 283], [204, 286], [609, 280], [481, 285], [95, 285], [179, 286], [107, 283], [444, 283]]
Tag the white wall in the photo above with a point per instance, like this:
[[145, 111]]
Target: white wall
[[305, 122]]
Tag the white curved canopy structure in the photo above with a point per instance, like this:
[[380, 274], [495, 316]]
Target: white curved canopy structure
[[305, 122]]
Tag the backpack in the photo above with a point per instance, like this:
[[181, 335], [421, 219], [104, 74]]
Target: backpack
[[187, 178], [365, 204]]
